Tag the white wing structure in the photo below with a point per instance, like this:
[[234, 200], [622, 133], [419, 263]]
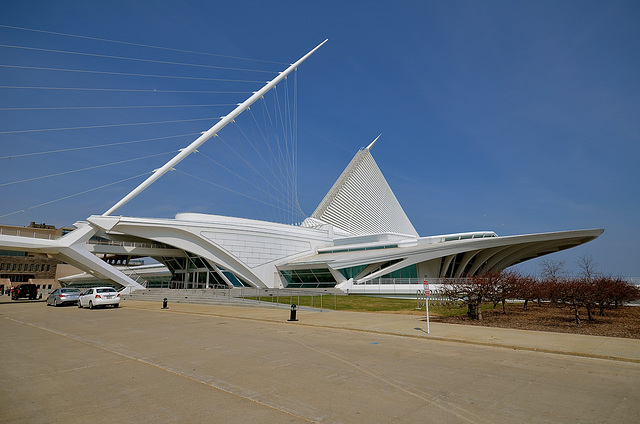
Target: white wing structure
[[361, 201], [358, 239]]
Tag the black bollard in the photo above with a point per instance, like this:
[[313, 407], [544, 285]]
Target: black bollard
[[164, 304], [293, 313]]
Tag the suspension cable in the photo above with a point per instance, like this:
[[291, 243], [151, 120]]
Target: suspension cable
[[126, 90], [235, 174], [96, 146], [76, 194], [85, 169], [243, 158], [136, 59], [113, 107], [128, 74], [105, 126], [226, 188], [139, 45]]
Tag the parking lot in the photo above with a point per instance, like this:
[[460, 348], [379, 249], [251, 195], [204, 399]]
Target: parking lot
[[139, 363]]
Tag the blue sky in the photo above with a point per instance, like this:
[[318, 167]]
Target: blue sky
[[516, 117]]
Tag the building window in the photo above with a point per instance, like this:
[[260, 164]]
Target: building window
[[352, 272], [410, 271], [37, 267], [309, 278]]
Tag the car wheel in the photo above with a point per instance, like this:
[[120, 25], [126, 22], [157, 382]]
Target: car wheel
[[79, 305], [90, 305], [115, 305], [55, 302]]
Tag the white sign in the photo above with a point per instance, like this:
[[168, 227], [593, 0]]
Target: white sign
[[427, 292]]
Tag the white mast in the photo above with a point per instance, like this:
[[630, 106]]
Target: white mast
[[208, 134]]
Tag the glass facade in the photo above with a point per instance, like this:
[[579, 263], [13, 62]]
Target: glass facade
[[195, 272], [309, 278], [410, 271], [357, 249], [352, 272]]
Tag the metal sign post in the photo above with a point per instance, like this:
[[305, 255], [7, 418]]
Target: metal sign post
[[427, 293]]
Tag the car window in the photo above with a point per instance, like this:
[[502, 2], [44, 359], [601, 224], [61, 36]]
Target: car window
[[105, 290]]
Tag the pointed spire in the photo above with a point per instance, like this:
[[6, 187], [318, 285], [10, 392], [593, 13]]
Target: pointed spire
[[373, 142]]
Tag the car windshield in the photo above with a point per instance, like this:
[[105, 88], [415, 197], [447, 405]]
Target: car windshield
[[106, 290], [69, 291]]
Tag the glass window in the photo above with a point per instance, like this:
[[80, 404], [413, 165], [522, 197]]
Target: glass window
[[410, 271], [309, 278], [109, 290], [352, 272], [232, 278]]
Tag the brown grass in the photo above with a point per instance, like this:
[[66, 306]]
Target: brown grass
[[620, 322]]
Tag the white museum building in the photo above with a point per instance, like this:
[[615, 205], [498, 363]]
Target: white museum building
[[358, 239]]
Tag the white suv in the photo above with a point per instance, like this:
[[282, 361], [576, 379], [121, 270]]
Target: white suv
[[99, 296]]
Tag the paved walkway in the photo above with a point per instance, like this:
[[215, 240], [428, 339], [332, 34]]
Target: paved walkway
[[627, 350], [204, 363]]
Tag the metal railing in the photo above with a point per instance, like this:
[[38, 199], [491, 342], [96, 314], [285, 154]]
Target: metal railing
[[406, 281], [129, 244], [317, 298], [262, 296], [435, 298], [27, 233]]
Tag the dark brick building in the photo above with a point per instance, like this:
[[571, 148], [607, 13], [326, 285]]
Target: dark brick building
[[23, 267]]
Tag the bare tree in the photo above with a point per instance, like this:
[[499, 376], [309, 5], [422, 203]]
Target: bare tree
[[612, 292], [552, 270], [502, 287], [471, 291], [588, 267], [528, 289], [575, 293]]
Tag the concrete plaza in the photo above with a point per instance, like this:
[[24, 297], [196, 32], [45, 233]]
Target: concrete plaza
[[203, 363]]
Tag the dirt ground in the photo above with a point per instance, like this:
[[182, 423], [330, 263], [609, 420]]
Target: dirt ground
[[620, 322]]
